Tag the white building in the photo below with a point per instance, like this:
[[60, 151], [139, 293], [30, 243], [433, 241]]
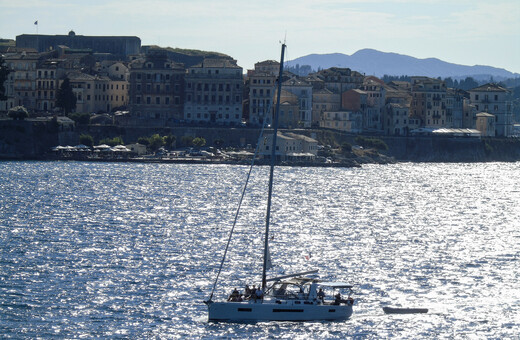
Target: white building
[[494, 99], [290, 146]]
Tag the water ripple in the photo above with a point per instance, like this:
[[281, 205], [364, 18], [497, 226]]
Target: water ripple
[[130, 250]]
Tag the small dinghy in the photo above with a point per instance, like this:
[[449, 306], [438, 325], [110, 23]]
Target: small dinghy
[[392, 310]]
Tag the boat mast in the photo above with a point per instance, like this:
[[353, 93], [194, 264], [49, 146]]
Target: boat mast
[[273, 160]]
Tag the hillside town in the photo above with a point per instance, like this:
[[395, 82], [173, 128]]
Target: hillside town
[[118, 82]]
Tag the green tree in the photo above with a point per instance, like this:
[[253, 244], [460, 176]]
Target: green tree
[[169, 141], [86, 140], [199, 142], [112, 141], [65, 97], [155, 142], [18, 112], [4, 72], [143, 140]]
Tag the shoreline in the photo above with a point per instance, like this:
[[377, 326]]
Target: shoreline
[[186, 160]]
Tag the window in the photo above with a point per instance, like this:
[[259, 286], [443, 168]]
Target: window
[[157, 100], [148, 100], [167, 100]]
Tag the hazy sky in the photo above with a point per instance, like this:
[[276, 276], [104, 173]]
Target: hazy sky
[[469, 32]]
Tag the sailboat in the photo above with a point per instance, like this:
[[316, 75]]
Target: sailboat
[[294, 297]]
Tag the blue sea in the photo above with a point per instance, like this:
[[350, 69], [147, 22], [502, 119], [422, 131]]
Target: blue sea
[[123, 250]]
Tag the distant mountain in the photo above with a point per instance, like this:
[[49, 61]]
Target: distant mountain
[[373, 62]]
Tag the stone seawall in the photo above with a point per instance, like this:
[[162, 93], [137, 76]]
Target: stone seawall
[[31, 139]]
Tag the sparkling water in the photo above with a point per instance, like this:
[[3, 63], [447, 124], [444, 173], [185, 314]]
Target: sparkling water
[[121, 250]]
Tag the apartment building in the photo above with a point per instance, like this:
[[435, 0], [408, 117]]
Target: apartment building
[[339, 80], [429, 101], [303, 91], [21, 83], [455, 108], [494, 99], [156, 90], [214, 92], [262, 87], [375, 103], [397, 120], [324, 100]]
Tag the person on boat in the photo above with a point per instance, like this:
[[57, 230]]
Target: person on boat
[[234, 296], [337, 299], [247, 292], [259, 294], [321, 294], [252, 294]]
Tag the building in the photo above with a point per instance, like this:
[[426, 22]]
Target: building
[[375, 104], [354, 100], [469, 120], [494, 99], [21, 81], [346, 121], [486, 124], [214, 92], [268, 66], [303, 91], [324, 100], [91, 92], [289, 116], [120, 47], [339, 80], [289, 147], [397, 120], [429, 101], [156, 90], [262, 87], [48, 73], [455, 107]]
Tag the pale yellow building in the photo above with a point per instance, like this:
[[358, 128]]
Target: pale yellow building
[[486, 124]]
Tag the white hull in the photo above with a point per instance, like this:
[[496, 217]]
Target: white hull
[[250, 311]]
